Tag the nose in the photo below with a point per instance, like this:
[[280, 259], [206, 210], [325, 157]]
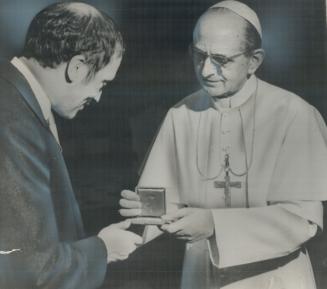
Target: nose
[[209, 68]]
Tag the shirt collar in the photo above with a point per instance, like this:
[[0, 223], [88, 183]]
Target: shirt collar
[[239, 98], [37, 89]]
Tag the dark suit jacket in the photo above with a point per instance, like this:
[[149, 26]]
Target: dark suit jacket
[[39, 214]]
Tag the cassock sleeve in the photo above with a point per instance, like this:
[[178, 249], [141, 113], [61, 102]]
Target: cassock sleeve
[[248, 235], [301, 167], [32, 255]]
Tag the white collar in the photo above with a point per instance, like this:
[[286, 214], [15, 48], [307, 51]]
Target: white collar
[[239, 98]]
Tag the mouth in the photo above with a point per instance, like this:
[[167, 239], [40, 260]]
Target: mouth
[[81, 107], [211, 83], [87, 102]]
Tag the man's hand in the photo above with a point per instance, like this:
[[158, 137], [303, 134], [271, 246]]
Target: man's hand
[[190, 224], [130, 203], [119, 242]]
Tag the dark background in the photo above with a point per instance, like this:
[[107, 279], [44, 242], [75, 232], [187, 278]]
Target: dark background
[[104, 145]]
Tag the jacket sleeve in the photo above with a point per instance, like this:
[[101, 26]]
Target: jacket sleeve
[[31, 252]]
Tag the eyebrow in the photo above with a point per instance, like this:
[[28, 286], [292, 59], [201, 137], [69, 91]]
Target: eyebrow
[[213, 54], [220, 55]]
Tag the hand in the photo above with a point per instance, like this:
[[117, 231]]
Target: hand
[[119, 242], [130, 203], [190, 224]]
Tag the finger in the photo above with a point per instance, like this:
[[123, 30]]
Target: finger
[[185, 238], [122, 257], [130, 212], [175, 215], [146, 221], [181, 233], [123, 225], [133, 238], [130, 250], [193, 240], [138, 240], [130, 195], [174, 227], [128, 204]]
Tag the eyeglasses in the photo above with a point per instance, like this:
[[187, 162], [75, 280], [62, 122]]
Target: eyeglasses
[[199, 56]]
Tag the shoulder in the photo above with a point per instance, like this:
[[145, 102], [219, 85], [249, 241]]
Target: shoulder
[[278, 100], [14, 90], [17, 121], [10, 78], [196, 101], [13, 108]]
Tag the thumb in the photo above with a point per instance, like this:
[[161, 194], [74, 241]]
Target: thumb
[[138, 240], [175, 215], [123, 225]]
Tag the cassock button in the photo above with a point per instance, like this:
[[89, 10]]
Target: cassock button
[[224, 115], [227, 148], [225, 131]]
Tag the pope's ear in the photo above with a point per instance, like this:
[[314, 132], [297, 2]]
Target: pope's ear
[[256, 60], [77, 70]]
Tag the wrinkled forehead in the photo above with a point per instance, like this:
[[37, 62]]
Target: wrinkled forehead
[[219, 31]]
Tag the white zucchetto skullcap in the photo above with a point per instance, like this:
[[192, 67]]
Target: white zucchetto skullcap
[[242, 10]]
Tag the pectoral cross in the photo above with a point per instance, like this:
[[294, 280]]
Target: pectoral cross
[[227, 184]]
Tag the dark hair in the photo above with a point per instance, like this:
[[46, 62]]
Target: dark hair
[[64, 30], [252, 39]]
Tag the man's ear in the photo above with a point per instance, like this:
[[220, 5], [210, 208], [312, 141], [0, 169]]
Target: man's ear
[[256, 60], [76, 70]]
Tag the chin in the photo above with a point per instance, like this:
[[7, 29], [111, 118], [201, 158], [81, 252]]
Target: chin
[[213, 88], [72, 115], [67, 115], [215, 91]]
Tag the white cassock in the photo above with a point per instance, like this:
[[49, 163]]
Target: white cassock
[[281, 141]]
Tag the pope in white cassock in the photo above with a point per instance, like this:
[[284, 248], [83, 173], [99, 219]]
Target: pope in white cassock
[[246, 161]]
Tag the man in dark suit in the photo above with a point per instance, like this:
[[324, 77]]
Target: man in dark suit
[[71, 51]]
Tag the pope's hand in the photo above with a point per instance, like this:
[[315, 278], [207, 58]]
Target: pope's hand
[[119, 242], [190, 224], [130, 203]]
